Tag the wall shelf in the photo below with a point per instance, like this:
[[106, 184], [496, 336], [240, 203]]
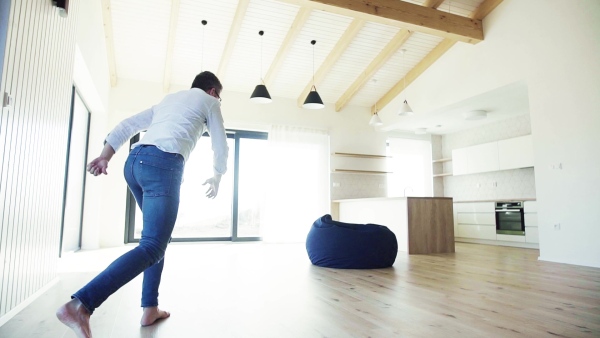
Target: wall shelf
[[442, 160], [350, 171], [361, 155]]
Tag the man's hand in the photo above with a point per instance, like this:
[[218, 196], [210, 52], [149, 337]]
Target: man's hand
[[98, 166], [213, 186]]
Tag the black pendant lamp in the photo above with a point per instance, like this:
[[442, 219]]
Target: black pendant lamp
[[313, 100], [260, 93]]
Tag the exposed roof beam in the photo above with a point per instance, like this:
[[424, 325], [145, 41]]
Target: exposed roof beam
[[414, 73], [234, 31], [110, 46], [415, 17], [480, 13], [333, 57], [385, 54], [433, 3], [170, 45], [485, 8], [299, 21]]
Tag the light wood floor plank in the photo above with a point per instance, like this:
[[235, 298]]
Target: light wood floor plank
[[258, 290]]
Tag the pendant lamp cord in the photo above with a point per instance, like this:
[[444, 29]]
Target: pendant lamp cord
[[404, 62], [204, 22], [314, 65], [261, 51]]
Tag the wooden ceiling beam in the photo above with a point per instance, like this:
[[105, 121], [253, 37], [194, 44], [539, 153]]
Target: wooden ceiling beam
[[234, 32], [388, 51], [433, 3], [416, 18], [333, 57], [170, 45], [110, 44], [288, 42], [485, 8], [480, 13], [414, 73]]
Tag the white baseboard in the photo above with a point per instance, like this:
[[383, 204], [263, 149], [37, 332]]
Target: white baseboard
[[10, 314], [501, 243]]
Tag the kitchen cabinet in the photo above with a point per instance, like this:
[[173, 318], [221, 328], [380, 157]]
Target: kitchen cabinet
[[515, 153], [483, 158], [531, 222], [460, 164], [475, 220], [506, 154]]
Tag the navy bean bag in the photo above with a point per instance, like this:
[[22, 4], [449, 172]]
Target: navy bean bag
[[333, 244]]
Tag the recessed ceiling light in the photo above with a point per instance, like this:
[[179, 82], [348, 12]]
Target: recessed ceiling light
[[475, 115]]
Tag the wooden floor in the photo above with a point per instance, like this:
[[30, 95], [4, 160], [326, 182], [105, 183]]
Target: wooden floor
[[257, 290]]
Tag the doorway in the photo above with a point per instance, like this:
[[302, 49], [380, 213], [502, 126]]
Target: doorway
[[74, 188]]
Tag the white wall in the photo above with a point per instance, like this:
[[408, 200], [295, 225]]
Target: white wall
[[552, 45], [349, 132], [91, 78]]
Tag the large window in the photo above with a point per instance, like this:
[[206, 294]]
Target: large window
[[411, 164], [235, 213]]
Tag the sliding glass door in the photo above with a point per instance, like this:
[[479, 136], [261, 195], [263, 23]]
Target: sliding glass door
[[234, 215]]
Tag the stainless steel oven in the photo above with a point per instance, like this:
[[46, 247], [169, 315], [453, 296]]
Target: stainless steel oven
[[510, 218]]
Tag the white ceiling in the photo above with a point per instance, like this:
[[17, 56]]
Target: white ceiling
[[164, 41], [500, 104]]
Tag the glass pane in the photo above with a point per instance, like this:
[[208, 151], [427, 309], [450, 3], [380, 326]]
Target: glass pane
[[199, 216], [251, 186]]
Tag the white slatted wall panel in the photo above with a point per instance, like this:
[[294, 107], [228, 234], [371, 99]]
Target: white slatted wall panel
[[38, 69]]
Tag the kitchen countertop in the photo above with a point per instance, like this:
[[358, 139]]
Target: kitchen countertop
[[498, 200], [385, 198]]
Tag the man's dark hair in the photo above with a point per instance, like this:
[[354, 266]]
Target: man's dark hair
[[207, 80]]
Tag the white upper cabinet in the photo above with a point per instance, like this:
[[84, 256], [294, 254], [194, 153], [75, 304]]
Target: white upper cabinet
[[460, 163], [516, 153], [512, 153], [483, 158]]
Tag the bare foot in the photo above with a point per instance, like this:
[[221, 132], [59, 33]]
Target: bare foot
[[74, 315], [152, 314]]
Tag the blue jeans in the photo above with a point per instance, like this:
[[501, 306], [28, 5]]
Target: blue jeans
[[154, 178]]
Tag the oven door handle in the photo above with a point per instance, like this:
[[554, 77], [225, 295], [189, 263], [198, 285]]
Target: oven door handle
[[509, 210]]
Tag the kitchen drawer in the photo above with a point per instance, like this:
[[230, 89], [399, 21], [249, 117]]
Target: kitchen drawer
[[531, 235], [531, 220], [481, 218], [475, 207], [510, 238], [476, 231], [531, 206]]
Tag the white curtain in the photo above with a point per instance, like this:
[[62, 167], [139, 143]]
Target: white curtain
[[297, 182]]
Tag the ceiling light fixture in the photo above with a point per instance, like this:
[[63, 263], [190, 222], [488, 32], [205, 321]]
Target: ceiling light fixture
[[375, 119], [405, 109], [475, 115], [313, 100], [260, 93]]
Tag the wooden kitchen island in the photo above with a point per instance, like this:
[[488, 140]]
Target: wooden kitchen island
[[422, 225]]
